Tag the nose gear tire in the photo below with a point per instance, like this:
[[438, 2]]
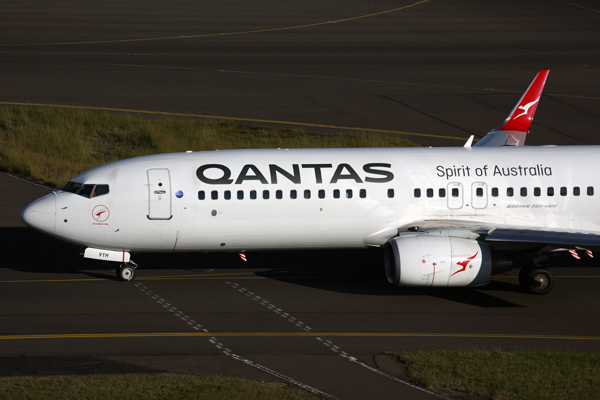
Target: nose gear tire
[[126, 273]]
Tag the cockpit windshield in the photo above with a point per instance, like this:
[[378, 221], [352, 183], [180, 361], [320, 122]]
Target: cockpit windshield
[[86, 190]]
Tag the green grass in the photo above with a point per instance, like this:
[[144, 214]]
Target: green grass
[[506, 375], [54, 145], [133, 387]]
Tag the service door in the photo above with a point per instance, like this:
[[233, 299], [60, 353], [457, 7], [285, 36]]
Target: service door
[[159, 192], [455, 195], [479, 195]]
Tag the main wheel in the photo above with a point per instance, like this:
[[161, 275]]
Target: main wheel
[[536, 280], [125, 273], [523, 276]]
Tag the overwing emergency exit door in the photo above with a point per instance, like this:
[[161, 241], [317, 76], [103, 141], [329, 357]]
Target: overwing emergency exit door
[[159, 192], [479, 195], [455, 195]]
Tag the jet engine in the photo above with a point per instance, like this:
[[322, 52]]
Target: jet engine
[[423, 260]]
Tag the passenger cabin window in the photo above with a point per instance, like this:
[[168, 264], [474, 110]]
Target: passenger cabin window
[[391, 193], [537, 191], [201, 195], [307, 194], [430, 192], [442, 192], [240, 195], [266, 194], [576, 191], [253, 195], [293, 194], [550, 191], [590, 191], [417, 192], [214, 195], [336, 193], [227, 195], [523, 192], [348, 193], [363, 193], [279, 194], [510, 192], [321, 193], [563, 191], [495, 192]]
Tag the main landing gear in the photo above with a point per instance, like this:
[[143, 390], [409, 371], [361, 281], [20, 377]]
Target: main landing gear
[[126, 272], [536, 280]]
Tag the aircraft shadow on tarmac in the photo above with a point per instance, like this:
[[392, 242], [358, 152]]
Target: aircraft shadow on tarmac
[[345, 271]]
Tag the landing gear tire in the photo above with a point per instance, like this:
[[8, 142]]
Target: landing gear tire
[[523, 279], [126, 273], [536, 280]]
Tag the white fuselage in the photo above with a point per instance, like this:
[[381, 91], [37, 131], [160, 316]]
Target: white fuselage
[[189, 201]]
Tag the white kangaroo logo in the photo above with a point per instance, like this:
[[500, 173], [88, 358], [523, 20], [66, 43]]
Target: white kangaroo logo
[[525, 108]]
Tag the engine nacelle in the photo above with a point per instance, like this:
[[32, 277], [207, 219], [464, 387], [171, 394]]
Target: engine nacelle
[[422, 260]]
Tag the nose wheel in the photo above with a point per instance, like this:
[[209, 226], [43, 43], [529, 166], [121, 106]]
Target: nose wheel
[[126, 272]]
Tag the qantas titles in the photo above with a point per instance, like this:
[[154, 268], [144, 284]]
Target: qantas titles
[[467, 171], [218, 174]]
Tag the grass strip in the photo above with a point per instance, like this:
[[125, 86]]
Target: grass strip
[[133, 387], [506, 375], [54, 145]]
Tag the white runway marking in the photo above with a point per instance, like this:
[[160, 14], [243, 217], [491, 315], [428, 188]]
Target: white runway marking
[[221, 347], [328, 343]]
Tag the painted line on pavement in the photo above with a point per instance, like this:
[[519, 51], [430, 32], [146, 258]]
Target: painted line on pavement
[[220, 346], [577, 5], [216, 117], [222, 33], [226, 276], [295, 334]]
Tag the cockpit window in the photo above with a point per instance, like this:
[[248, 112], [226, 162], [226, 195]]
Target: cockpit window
[[100, 190], [86, 190], [72, 187]]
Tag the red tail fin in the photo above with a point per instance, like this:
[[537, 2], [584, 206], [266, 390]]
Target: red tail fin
[[516, 126], [521, 116]]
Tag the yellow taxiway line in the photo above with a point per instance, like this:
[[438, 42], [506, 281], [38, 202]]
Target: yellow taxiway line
[[301, 55], [217, 118], [295, 334], [233, 276], [577, 5], [222, 33]]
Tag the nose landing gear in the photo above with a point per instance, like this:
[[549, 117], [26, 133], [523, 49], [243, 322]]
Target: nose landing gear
[[126, 272]]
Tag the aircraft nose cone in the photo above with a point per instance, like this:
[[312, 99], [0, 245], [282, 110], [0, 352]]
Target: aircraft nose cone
[[41, 214]]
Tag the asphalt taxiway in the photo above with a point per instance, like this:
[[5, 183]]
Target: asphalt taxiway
[[437, 71], [320, 319], [445, 70]]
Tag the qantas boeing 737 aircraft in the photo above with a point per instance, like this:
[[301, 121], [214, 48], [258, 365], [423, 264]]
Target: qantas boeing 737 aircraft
[[446, 216]]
